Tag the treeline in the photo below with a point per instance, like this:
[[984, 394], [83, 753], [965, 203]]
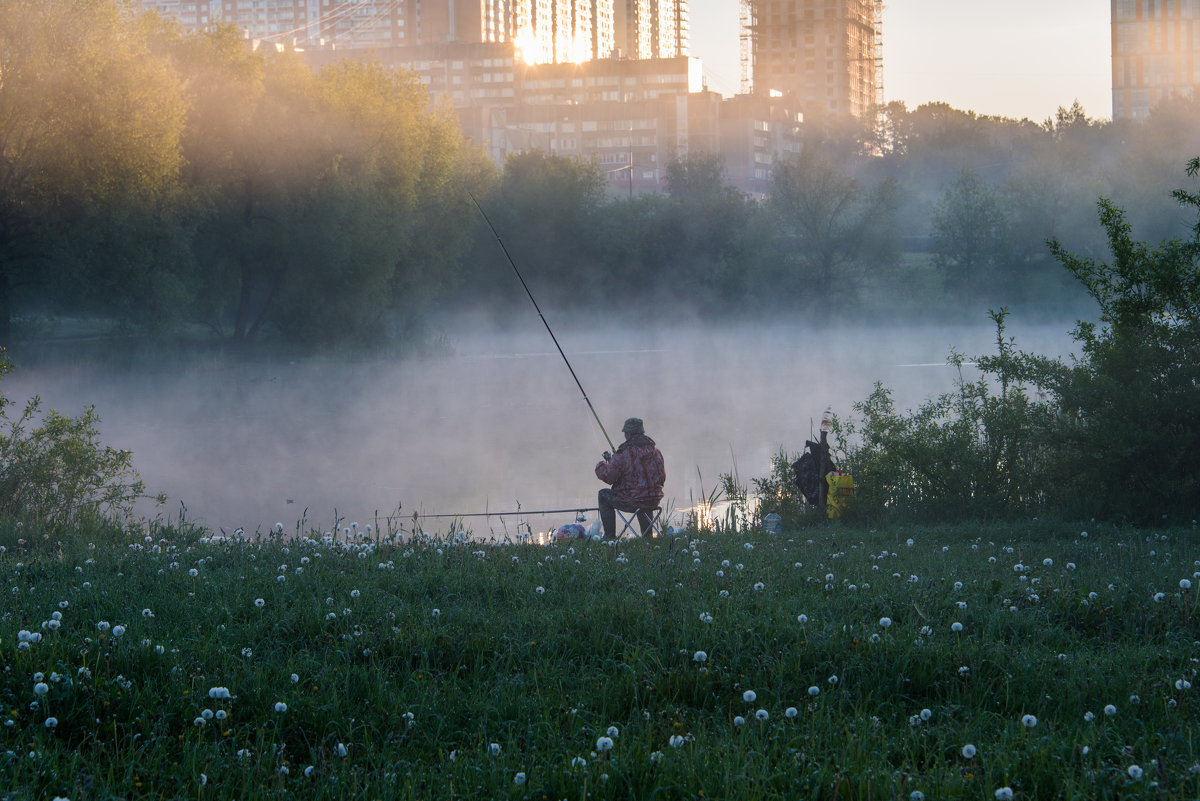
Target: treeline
[[169, 181]]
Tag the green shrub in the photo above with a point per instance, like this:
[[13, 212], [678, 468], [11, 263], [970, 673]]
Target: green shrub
[[53, 470]]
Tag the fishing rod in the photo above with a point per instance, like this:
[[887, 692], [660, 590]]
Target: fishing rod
[[546, 323], [512, 514]]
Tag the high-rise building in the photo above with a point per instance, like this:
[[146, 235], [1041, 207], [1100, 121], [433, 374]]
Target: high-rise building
[[651, 28], [827, 54], [1155, 54], [544, 31]]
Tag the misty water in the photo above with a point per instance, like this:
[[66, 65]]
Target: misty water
[[496, 423]]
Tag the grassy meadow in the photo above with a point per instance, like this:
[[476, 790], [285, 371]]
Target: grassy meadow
[[1031, 660]]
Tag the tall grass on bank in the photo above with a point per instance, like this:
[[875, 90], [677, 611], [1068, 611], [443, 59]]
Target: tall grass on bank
[[831, 662]]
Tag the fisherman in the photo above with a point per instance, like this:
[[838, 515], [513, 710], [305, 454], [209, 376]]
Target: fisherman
[[637, 475]]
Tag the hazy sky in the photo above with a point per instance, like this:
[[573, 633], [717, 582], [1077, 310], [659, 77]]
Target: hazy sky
[[1017, 58]]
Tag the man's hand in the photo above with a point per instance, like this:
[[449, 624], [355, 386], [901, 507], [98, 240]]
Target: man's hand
[[607, 456]]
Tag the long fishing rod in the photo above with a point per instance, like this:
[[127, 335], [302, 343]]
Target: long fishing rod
[[512, 514], [513, 264]]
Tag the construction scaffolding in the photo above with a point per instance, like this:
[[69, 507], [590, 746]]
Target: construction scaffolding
[[828, 55]]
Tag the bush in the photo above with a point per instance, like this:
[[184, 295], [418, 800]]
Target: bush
[[1116, 436], [976, 452], [54, 472]]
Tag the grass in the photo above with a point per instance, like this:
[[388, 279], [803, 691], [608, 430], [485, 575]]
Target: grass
[[438, 669]]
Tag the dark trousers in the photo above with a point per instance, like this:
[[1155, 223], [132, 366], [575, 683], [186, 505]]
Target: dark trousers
[[608, 514]]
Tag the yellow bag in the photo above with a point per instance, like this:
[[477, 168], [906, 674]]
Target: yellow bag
[[841, 491]]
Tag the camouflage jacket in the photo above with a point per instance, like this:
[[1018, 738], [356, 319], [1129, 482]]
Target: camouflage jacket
[[636, 472]]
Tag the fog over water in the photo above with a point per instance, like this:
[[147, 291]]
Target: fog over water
[[498, 421]]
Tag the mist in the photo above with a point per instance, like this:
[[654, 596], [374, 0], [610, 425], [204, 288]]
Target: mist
[[495, 423]]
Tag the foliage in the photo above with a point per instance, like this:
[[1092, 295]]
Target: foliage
[[55, 473], [1128, 432], [395, 662], [1115, 436], [974, 453]]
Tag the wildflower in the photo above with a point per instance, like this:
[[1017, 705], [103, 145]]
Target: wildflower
[[926, 714], [103, 626], [260, 603], [650, 593], [436, 612], [1133, 699], [342, 751], [801, 619], [1158, 596], [739, 721], [218, 692], [759, 586], [791, 712], [956, 626], [885, 622], [1183, 684], [579, 762], [1028, 721], [1048, 562], [1004, 794], [494, 749], [308, 772], [51, 723], [968, 751], [700, 656], [222, 714], [41, 688], [1110, 710], [207, 714], [656, 756], [604, 744], [540, 590], [762, 714], [814, 691], [1088, 717], [676, 740], [146, 613], [280, 707], [246, 652], [1135, 772], [118, 631], [199, 723], [749, 696], [519, 779], [613, 732], [193, 572], [295, 679]]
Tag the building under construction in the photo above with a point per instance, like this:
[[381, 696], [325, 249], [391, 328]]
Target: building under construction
[[827, 54]]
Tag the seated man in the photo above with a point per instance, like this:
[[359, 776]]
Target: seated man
[[637, 475]]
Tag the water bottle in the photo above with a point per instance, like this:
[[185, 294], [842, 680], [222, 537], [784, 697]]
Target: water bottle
[[773, 523]]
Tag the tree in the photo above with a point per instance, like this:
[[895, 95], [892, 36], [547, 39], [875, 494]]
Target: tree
[[90, 123], [832, 227], [968, 236]]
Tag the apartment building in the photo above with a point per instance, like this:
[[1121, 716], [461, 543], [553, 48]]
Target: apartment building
[[825, 53], [1155, 54], [544, 31]]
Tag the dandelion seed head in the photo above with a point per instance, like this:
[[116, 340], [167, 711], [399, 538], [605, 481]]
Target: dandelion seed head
[[968, 751], [749, 696], [1028, 721]]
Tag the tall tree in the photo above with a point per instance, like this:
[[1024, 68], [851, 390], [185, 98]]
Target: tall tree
[[831, 227], [968, 236], [90, 123]]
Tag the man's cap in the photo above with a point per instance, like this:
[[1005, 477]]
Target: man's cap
[[633, 426]]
